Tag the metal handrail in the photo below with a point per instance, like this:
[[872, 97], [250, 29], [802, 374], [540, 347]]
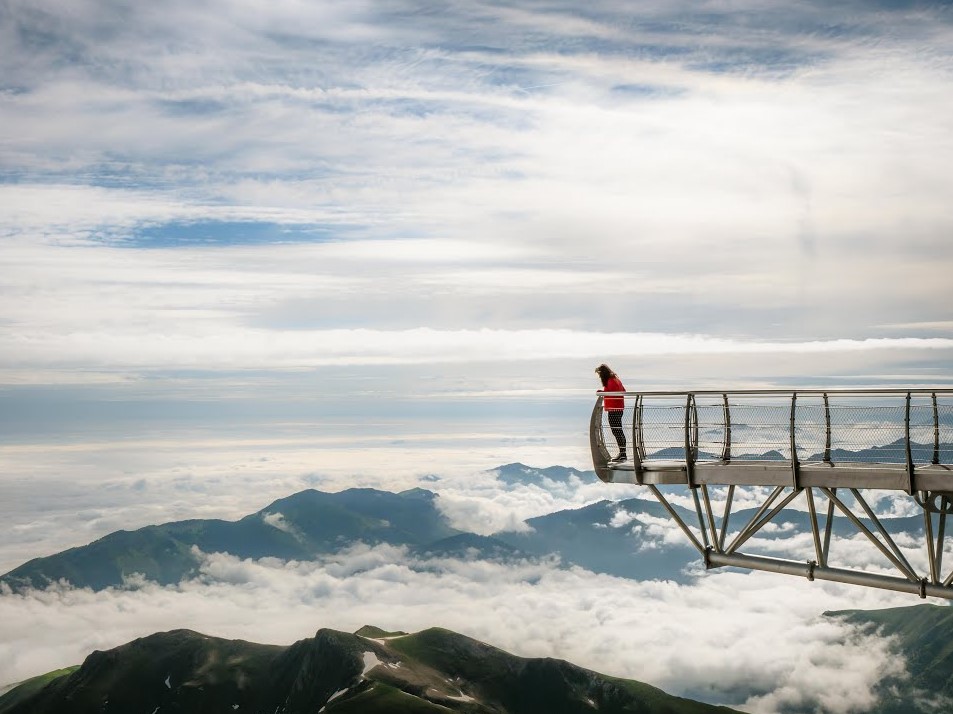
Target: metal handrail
[[780, 392], [729, 400]]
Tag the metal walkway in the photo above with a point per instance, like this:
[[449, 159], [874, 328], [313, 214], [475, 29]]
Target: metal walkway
[[809, 451]]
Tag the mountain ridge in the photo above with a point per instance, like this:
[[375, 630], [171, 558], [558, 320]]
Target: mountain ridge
[[336, 672], [923, 636], [312, 523], [296, 527]]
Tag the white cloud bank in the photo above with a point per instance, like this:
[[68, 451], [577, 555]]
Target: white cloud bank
[[250, 348]]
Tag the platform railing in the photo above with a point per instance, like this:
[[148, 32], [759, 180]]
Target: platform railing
[[810, 442], [896, 429]]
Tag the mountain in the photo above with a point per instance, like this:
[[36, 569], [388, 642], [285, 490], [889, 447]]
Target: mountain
[[470, 546], [892, 453], [605, 537], [592, 537], [516, 473], [300, 527], [370, 671], [923, 636]]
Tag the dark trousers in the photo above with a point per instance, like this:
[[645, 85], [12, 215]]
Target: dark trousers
[[615, 421]]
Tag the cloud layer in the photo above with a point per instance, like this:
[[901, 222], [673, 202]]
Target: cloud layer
[[706, 641], [629, 182]]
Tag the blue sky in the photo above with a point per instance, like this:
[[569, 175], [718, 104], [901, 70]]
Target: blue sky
[[252, 247]]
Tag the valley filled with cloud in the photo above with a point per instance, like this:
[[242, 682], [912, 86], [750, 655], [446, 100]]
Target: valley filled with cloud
[[756, 641]]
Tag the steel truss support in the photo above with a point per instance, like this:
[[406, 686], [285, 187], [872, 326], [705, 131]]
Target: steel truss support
[[939, 505], [711, 533], [679, 438]]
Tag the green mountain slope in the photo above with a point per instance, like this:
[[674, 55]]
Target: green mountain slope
[[335, 672], [923, 636], [300, 526], [24, 691], [586, 537]]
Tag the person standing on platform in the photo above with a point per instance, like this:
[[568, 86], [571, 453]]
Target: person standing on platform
[[614, 407]]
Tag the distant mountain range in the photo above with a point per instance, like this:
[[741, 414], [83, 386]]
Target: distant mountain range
[[368, 672], [301, 526], [311, 523], [892, 453]]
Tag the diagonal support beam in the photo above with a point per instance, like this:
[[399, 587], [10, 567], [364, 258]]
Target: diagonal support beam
[[701, 518], [928, 532], [912, 576], [677, 518], [754, 519], [725, 518], [941, 535], [711, 517], [742, 537], [815, 531], [883, 531], [829, 527]]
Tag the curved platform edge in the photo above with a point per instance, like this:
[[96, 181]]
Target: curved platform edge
[[891, 477]]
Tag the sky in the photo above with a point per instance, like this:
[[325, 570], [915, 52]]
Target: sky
[[253, 247]]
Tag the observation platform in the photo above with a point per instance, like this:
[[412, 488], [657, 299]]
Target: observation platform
[[778, 445]]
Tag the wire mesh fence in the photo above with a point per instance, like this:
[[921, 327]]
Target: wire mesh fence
[[852, 428]]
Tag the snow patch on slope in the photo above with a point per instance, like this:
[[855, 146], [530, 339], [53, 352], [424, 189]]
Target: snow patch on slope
[[370, 661]]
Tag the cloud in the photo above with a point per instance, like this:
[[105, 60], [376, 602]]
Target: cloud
[[469, 185], [705, 641], [233, 347], [277, 520]]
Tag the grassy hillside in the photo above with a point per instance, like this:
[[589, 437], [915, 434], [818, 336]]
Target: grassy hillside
[[334, 672], [923, 636]]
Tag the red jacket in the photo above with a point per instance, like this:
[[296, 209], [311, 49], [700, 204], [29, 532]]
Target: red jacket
[[613, 404]]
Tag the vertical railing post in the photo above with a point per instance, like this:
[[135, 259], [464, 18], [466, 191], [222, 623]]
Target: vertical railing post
[[936, 432], [640, 434], [726, 450], [637, 438], [795, 468], [689, 455], [694, 429], [909, 452], [827, 429]]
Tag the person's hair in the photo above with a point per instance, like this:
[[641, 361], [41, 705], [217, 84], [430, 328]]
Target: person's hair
[[604, 373]]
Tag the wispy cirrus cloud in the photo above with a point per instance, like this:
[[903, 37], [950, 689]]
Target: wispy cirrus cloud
[[724, 177]]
